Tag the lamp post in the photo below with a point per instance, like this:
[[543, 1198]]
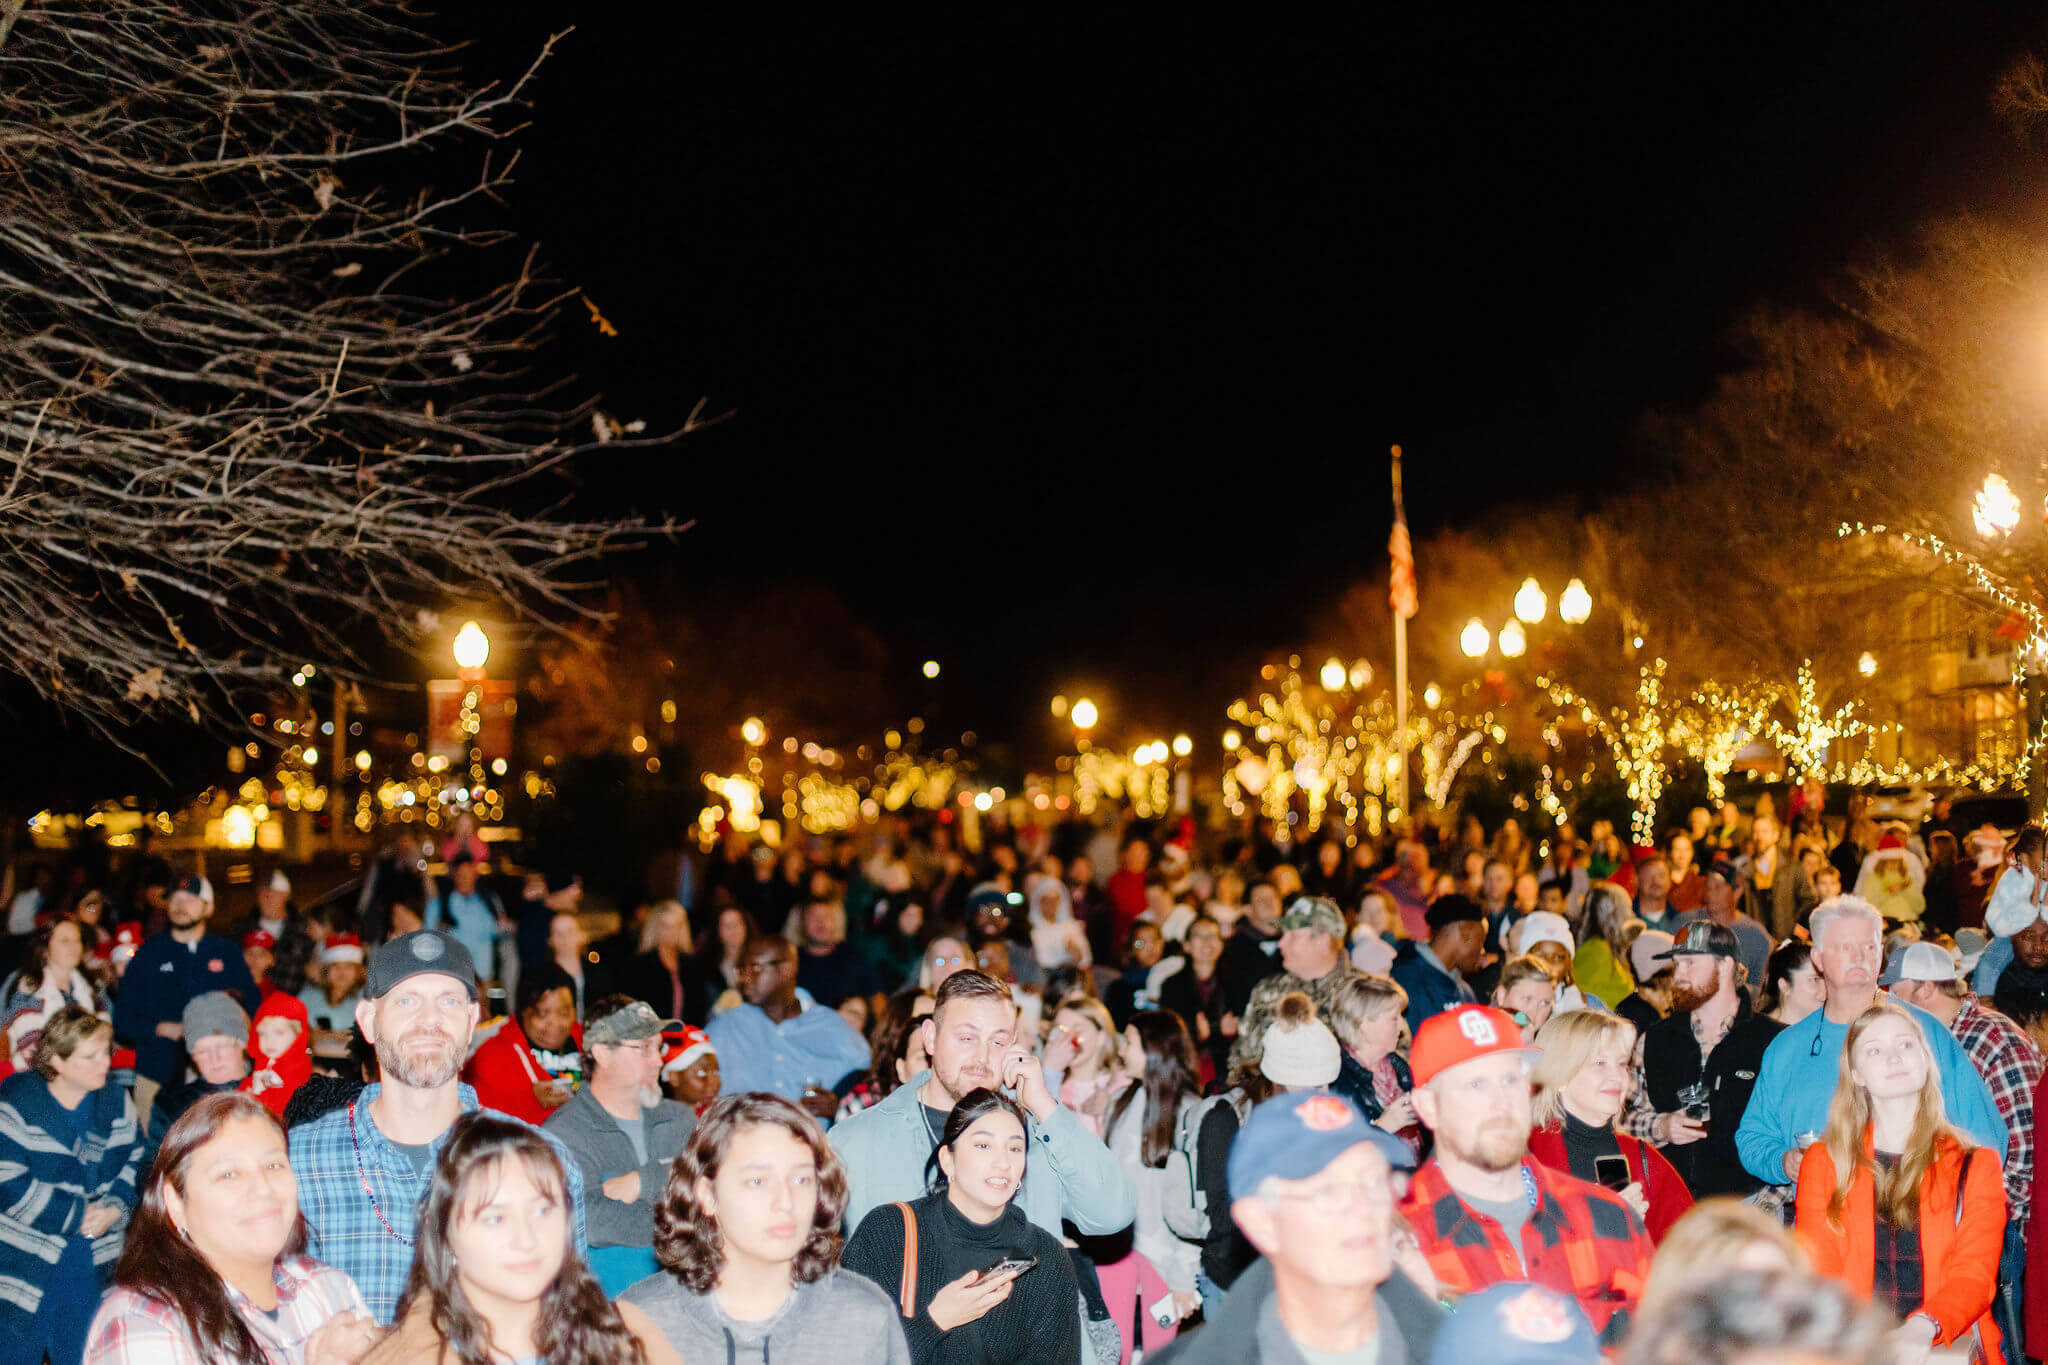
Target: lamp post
[[1996, 513]]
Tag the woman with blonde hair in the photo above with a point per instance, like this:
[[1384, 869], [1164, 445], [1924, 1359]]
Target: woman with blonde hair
[[1581, 1082], [1084, 1046], [1527, 992], [1716, 1237], [1897, 1204], [1367, 1013]]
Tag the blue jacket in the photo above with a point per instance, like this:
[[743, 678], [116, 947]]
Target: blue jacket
[[1431, 988], [48, 1176], [1796, 1083], [162, 979], [1068, 1172]]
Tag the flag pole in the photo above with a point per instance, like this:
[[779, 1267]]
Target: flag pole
[[1400, 672]]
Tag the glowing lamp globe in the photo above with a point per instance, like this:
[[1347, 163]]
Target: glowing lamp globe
[[472, 647], [1530, 602], [1084, 714], [1574, 604], [1512, 640], [1475, 638], [1333, 675]]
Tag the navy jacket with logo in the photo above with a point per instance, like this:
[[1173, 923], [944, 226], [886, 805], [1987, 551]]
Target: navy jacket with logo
[[163, 978]]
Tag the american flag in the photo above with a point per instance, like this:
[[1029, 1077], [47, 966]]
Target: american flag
[[1401, 581]]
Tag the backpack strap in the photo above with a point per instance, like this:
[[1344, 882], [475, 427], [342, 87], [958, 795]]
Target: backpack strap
[[906, 1299]]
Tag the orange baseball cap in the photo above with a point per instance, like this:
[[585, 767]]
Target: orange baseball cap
[[1459, 1035]]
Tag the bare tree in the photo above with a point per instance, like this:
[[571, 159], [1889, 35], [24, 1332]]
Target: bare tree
[[253, 399]]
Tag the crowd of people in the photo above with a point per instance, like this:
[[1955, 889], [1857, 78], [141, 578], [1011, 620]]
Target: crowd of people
[[1080, 1092]]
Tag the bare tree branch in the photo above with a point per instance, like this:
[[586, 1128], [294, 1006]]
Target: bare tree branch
[[252, 393]]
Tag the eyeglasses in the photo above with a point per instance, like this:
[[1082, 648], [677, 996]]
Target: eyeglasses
[[1343, 1198], [952, 961]]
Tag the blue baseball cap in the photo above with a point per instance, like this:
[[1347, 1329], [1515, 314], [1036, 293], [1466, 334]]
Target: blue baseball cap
[[1295, 1135], [1516, 1324]]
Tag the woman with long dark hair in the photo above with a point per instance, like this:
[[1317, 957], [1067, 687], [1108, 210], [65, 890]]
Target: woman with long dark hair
[[53, 976], [747, 1233], [1794, 988], [68, 1145], [211, 1271], [496, 1276], [1159, 1057], [972, 1277]]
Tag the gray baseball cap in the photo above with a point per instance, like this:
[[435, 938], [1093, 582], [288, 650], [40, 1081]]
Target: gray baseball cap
[[419, 953]]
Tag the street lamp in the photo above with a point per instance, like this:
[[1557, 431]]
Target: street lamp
[[1867, 665], [1574, 604], [931, 668], [472, 647], [1231, 739], [1513, 640], [1475, 639], [1361, 674], [1183, 746], [753, 731], [1530, 603], [1997, 508], [1333, 675], [1084, 714]]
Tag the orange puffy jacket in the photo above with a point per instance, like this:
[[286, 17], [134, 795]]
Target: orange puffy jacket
[[1958, 1255]]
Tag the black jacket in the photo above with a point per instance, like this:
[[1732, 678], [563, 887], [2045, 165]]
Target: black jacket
[[1409, 1320], [1671, 1061], [1249, 957]]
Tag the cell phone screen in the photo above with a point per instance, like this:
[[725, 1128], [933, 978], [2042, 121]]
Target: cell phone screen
[[1611, 1171], [1006, 1267]]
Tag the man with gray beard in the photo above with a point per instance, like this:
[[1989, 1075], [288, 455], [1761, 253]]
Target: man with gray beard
[[362, 1170], [624, 1134]]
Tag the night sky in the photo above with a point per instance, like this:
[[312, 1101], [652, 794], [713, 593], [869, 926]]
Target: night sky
[[1068, 346]]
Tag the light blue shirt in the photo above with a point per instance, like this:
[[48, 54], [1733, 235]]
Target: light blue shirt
[[1797, 1083], [472, 924], [1997, 957], [814, 1046]]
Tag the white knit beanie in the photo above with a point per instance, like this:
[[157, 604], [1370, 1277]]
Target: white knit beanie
[[1301, 1057]]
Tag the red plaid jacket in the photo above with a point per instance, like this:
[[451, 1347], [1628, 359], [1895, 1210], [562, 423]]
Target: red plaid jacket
[[1580, 1240]]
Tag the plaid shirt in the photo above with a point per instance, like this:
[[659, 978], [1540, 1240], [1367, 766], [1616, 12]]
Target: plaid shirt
[[141, 1329], [1580, 1240], [361, 1196], [2007, 1060]]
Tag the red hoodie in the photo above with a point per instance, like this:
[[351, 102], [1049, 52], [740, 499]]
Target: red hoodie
[[295, 1067]]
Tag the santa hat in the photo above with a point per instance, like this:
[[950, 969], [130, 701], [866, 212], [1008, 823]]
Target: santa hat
[[342, 948], [127, 938], [259, 938], [685, 1048]]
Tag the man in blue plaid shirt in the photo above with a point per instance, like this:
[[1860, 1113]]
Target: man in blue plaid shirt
[[363, 1170]]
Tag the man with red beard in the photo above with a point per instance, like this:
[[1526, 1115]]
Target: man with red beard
[[1696, 1069], [363, 1169], [1482, 1211]]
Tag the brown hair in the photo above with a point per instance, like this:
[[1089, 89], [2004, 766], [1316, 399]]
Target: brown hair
[[687, 1241], [158, 1262], [969, 984], [63, 1034], [1705, 1242], [578, 1322]]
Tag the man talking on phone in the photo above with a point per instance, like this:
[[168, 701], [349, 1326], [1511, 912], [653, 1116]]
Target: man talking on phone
[[973, 1041], [1482, 1210]]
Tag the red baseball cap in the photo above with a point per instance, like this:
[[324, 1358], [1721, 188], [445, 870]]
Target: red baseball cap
[[1459, 1035]]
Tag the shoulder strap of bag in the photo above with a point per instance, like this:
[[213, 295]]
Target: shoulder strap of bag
[[1962, 1181], [907, 1298]]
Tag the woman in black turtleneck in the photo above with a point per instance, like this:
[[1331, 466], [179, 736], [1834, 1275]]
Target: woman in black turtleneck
[[1582, 1080], [969, 1223]]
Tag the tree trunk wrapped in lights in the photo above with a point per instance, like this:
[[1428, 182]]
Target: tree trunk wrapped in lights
[[250, 399]]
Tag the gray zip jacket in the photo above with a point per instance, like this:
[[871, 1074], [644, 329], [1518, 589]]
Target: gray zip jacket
[[602, 1150]]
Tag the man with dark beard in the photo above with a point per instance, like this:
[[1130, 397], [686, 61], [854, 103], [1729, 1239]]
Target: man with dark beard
[[1481, 1210], [1695, 1070], [363, 1169]]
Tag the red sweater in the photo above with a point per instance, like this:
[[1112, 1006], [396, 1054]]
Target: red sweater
[[1663, 1186]]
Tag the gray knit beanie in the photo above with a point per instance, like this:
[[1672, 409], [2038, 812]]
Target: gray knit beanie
[[215, 1015]]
